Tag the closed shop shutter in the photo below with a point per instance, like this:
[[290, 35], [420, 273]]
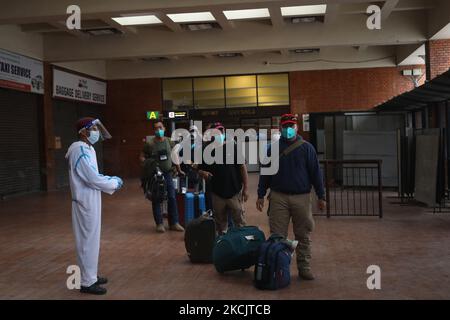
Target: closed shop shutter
[[65, 115], [19, 143]]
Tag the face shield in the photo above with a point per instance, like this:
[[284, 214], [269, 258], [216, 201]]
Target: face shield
[[96, 125]]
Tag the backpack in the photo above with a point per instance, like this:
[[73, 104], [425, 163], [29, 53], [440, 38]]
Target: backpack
[[155, 188], [237, 249], [272, 270]]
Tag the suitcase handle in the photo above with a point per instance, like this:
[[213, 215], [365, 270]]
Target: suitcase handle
[[187, 185]]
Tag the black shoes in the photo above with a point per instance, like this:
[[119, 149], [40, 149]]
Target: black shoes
[[101, 280], [96, 288]]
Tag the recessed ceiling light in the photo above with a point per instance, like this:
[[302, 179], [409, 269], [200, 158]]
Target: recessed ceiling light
[[304, 10], [137, 20], [191, 17], [200, 26], [247, 14], [303, 19], [229, 54], [101, 31], [305, 50]]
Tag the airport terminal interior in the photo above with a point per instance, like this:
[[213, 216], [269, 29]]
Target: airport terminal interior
[[365, 83]]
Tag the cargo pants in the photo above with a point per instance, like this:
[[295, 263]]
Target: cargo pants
[[283, 207], [222, 207]]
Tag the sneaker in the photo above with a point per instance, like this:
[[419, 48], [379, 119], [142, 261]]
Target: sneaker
[[305, 274], [93, 289], [176, 227], [160, 228]]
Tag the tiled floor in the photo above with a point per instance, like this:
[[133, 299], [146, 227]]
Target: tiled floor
[[410, 244]]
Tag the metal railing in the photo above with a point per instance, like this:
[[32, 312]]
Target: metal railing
[[353, 187]]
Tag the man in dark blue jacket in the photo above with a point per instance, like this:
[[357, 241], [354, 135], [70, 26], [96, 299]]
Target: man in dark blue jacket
[[290, 191]]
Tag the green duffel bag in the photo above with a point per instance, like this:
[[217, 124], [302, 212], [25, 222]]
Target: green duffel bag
[[237, 249]]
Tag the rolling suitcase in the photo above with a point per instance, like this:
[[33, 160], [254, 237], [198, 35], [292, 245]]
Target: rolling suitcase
[[237, 249], [199, 238], [190, 204]]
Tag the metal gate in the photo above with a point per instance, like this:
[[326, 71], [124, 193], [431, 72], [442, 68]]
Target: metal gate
[[353, 187], [19, 143]]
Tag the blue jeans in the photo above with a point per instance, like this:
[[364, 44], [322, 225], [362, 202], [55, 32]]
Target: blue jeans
[[171, 203]]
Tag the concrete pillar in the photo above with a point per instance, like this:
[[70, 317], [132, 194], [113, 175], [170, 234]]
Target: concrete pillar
[[49, 136]]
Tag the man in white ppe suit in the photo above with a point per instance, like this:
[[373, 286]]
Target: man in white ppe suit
[[86, 185]]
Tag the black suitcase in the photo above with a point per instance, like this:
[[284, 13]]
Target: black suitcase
[[199, 239]]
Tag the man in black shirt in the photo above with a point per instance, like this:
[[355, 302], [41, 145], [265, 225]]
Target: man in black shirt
[[228, 182]]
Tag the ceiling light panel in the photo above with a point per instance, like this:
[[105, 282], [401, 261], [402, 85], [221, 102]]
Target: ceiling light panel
[[247, 14], [304, 10], [137, 20], [191, 17]]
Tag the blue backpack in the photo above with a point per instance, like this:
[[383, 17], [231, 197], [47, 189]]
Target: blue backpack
[[272, 270]]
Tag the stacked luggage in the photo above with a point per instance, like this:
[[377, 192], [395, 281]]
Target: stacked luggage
[[191, 203]]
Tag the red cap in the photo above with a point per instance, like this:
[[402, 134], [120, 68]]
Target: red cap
[[83, 123], [288, 118], [218, 125]]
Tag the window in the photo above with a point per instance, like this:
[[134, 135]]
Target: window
[[241, 91], [177, 94], [273, 90], [214, 92], [209, 92]]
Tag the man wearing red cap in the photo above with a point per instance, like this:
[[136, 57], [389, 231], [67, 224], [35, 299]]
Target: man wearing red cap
[[290, 191], [86, 185]]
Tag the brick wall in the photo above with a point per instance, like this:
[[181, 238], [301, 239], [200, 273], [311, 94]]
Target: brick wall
[[125, 116], [438, 57], [310, 91], [345, 90]]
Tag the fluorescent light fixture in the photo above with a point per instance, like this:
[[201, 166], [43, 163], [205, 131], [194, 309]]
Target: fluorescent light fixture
[[247, 14], [137, 20], [304, 10], [191, 17]]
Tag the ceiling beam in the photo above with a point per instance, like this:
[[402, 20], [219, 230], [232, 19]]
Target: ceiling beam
[[124, 29], [439, 17], [332, 13], [387, 9], [38, 28], [61, 25], [223, 22], [408, 27], [275, 16], [13, 11], [406, 52], [175, 27]]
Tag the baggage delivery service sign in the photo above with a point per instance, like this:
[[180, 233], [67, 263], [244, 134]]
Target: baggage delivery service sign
[[21, 73], [74, 87]]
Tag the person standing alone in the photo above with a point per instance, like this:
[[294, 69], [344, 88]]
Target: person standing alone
[[290, 191]]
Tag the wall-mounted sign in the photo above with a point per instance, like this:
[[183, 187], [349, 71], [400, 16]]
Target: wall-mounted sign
[[305, 122], [71, 86], [21, 73], [176, 115], [152, 115]]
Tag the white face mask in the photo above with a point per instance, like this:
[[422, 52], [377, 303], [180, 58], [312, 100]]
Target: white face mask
[[93, 136]]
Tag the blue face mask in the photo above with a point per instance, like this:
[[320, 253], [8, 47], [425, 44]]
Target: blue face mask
[[159, 133], [220, 138], [288, 133], [93, 137]]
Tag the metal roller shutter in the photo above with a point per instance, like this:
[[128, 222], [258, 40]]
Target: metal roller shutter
[[19, 143], [65, 115]]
